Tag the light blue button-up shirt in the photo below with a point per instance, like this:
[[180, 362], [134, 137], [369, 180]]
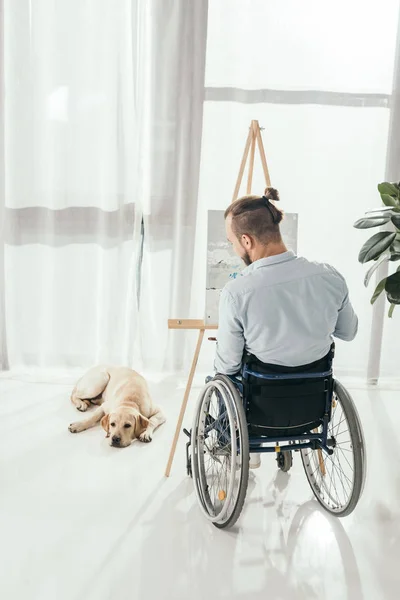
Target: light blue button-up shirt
[[284, 309]]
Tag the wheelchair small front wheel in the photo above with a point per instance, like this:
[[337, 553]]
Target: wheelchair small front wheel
[[284, 460], [220, 452]]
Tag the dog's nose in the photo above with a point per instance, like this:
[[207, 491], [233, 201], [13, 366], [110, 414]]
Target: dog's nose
[[116, 440]]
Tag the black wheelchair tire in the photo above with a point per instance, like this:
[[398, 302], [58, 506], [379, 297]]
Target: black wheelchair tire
[[189, 470], [244, 479]]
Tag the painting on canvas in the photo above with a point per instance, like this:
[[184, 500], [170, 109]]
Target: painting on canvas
[[223, 264]]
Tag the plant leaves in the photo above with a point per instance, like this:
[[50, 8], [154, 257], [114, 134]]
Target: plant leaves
[[388, 188], [373, 221], [395, 247], [388, 200], [378, 290], [391, 309], [396, 221], [371, 270], [374, 247], [383, 209], [392, 287]]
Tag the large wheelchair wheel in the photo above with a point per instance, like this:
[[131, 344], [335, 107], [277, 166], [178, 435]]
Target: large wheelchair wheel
[[220, 452], [337, 480]]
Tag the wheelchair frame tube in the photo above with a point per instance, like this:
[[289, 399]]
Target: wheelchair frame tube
[[276, 440], [315, 441], [285, 448], [277, 376]]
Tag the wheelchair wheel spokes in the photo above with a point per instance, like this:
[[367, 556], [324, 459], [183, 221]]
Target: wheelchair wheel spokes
[[217, 455], [217, 442], [337, 481]]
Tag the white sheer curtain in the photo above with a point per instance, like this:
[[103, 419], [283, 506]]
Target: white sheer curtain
[[171, 145], [3, 334], [318, 77], [71, 223], [102, 137]]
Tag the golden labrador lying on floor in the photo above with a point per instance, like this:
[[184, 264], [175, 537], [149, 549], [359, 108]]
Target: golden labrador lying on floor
[[126, 410]]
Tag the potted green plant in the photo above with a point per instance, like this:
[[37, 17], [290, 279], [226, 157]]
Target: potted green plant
[[385, 245]]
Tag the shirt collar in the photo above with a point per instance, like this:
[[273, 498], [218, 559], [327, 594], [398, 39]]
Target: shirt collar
[[270, 260]]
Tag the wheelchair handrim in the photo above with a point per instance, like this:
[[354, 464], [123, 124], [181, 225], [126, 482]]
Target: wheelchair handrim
[[207, 507]]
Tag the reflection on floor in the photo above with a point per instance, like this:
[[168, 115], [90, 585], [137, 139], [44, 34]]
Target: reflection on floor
[[82, 520]]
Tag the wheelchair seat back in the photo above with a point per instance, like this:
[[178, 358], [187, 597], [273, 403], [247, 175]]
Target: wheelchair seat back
[[288, 404]]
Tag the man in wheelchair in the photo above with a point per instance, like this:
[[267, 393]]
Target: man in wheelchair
[[282, 313], [274, 390]]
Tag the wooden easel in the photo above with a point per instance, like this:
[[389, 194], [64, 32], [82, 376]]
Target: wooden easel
[[254, 138], [186, 324]]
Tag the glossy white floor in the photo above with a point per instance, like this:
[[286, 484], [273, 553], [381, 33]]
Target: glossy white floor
[[83, 521]]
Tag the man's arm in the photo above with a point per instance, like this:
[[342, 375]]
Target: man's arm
[[230, 343], [347, 321]]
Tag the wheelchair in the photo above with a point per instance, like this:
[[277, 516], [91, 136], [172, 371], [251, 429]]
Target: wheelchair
[[281, 410]]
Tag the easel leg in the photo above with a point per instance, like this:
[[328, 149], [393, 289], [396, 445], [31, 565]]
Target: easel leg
[[321, 462], [320, 458], [252, 152], [184, 403], [263, 157], [243, 163]]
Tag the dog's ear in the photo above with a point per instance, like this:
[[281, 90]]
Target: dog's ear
[[141, 424], [105, 423]]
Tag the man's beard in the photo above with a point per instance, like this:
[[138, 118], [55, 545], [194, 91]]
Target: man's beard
[[246, 259]]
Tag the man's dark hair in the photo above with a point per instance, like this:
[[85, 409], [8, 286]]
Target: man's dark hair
[[257, 217]]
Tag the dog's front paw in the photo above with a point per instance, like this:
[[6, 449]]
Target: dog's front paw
[[145, 437], [82, 406], [76, 427]]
